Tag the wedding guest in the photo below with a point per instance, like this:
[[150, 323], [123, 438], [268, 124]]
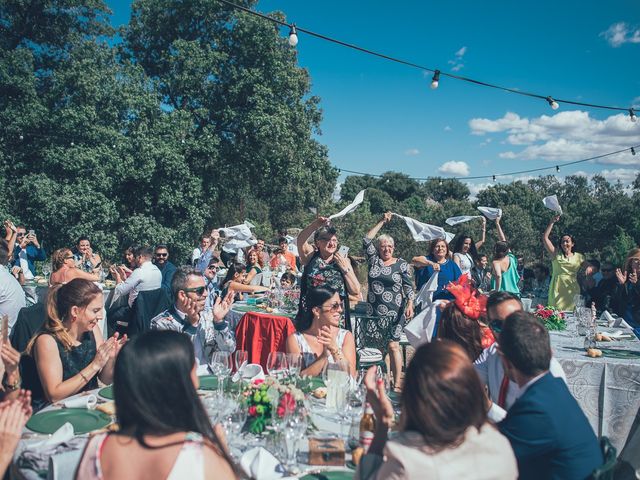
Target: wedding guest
[[564, 268], [540, 284], [319, 337], [287, 280], [480, 274], [464, 319], [549, 433], [465, 249], [324, 266], [65, 269], [12, 297], [604, 293], [27, 251], [164, 429], [165, 266], [128, 261], [628, 290], [504, 266], [444, 431], [502, 391], [69, 352], [84, 255], [390, 296], [234, 281], [264, 255], [210, 275], [205, 243], [253, 267], [14, 415], [283, 256], [207, 330], [145, 277]]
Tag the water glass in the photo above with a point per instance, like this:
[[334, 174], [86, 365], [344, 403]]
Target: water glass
[[294, 362], [277, 365], [221, 367], [241, 358], [46, 270], [337, 378]]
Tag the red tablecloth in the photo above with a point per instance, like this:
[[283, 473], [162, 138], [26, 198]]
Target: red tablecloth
[[261, 333]]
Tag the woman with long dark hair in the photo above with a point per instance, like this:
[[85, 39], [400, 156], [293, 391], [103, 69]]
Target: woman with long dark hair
[[319, 337], [235, 278], [164, 429], [444, 432], [565, 266], [504, 266], [70, 353], [466, 250]]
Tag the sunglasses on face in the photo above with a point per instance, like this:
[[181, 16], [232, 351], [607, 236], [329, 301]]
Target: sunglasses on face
[[212, 267], [495, 326], [162, 254], [335, 307], [20, 234], [197, 290]]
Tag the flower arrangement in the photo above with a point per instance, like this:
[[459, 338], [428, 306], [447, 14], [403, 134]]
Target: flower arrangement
[[265, 398], [552, 318], [290, 299]]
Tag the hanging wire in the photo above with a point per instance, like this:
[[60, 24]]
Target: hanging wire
[[420, 67]]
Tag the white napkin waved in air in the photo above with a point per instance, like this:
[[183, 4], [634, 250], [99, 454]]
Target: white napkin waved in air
[[63, 434], [423, 232], [351, 207], [461, 219], [551, 202], [259, 464], [82, 401], [490, 212]]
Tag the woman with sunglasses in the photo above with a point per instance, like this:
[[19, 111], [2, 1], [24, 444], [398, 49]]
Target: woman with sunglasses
[[324, 266], [319, 337], [65, 269]]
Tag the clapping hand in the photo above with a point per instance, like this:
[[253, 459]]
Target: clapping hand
[[192, 309], [105, 352], [13, 418], [632, 277], [377, 398], [10, 229], [621, 276], [327, 338], [222, 307], [10, 358]]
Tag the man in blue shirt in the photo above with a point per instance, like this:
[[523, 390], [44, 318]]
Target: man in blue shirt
[[27, 251], [168, 269]]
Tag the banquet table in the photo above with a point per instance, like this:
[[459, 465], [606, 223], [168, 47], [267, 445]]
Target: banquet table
[[326, 424], [607, 388]]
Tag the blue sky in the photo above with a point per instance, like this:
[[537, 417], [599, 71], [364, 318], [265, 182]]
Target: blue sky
[[381, 116]]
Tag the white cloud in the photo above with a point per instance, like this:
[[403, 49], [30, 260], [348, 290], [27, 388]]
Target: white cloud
[[635, 103], [454, 168], [621, 33], [461, 52], [412, 152], [447, 128], [456, 62], [457, 68], [564, 136]]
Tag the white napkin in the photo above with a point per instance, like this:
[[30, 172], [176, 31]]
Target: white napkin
[[461, 219], [490, 212], [551, 202], [63, 465], [83, 401], [259, 464], [351, 207], [426, 292], [423, 232], [252, 371], [606, 317], [420, 329], [63, 434]]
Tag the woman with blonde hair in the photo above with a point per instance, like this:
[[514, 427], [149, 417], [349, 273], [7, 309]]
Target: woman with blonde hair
[[65, 269], [69, 352]]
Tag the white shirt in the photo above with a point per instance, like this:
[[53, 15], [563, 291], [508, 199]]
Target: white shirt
[[145, 277], [491, 372], [24, 264], [465, 261], [197, 253], [12, 297]]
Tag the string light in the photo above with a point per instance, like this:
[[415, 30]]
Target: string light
[[293, 35], [435, 81], [517, 91], [633, 151], [632, 115], [557, 168], [494, 178], [552, 103]]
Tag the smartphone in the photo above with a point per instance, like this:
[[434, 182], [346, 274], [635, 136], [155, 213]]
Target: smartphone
[[32, 232], [343, 251]]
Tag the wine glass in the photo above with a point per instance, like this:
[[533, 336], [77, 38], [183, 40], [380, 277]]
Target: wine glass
[[46, 270], [294, 361], [337, 378], [221, 367], [277, 364], [241, 358]]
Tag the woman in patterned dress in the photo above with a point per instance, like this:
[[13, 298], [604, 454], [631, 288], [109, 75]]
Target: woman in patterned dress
[[323, 265], [390, 293]]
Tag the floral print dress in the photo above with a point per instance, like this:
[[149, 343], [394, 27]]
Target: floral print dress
[[389, 289]]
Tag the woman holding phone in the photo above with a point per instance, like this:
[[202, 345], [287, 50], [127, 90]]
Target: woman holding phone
[[390, 294]]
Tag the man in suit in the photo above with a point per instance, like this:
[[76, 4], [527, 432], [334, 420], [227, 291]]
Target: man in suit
[[548, 431]]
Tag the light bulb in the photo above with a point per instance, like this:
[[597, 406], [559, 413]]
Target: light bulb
[[632, 115], [72, 144], [21, 137], [633, 151], [552, 103], [293, 36], [435, 81], [494, 178], [557, 168]]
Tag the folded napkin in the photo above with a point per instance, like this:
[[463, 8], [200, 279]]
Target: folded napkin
[[83, 401], [252, 371], [606, 317], [63, 465], [36, 455], [259, 464]]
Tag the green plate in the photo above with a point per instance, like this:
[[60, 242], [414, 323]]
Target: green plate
[[608, 352], [208, 382], [106, 392], [83, 420], [329, 475]]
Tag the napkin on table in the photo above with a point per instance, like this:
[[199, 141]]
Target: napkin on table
[[36, 455], [83, 401], [259, 464]]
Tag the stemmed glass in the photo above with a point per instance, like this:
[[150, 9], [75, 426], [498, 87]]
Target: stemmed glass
[[337, 379], [294, 361], [241, 358], [277, 365], [221, 367], [46, 270]]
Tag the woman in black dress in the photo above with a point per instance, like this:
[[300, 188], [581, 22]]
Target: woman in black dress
[[390, 293], [70, 353]]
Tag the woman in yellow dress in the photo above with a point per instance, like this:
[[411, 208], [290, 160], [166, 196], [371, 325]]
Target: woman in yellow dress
[[564, 269]]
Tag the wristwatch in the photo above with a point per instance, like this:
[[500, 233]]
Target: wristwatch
[[10, 386]]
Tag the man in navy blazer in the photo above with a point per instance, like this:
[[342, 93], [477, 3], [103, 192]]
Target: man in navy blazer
[[549, 434]]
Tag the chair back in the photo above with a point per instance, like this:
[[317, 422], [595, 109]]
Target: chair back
[[147, 305], [259, 334], [607, 469]]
